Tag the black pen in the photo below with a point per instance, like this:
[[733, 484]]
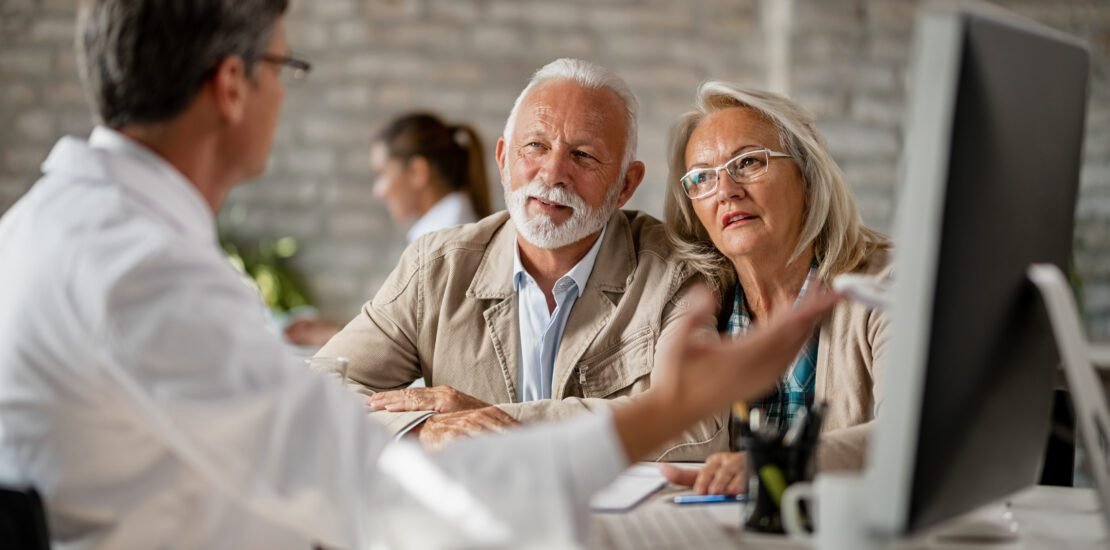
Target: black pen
[[813, 427]]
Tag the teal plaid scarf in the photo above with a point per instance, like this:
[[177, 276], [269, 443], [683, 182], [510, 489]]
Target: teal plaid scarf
[[796, 390]]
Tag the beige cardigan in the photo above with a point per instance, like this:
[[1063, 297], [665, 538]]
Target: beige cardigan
[[448, 314], [850, 360]]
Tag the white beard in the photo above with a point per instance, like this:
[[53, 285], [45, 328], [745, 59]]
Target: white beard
[[541, 230]]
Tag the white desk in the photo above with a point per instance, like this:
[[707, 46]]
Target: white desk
[[1050, 518]]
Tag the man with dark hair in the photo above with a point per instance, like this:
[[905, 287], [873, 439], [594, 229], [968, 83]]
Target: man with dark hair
[[140, 392], [133, 79]]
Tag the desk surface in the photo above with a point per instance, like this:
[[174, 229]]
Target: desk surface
[[1049, 517]]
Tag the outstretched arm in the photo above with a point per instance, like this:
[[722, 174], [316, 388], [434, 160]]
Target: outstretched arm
[[702, 375]]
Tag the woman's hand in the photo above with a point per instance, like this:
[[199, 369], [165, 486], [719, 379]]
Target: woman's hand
[[722, 474]]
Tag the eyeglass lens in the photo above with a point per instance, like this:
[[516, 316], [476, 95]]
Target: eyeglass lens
[[742, 169]]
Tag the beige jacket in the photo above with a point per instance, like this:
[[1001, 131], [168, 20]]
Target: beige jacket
[[448, 313], [850, 361]]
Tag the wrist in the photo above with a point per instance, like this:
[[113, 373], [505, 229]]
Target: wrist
[[652, 419], [676, 406]]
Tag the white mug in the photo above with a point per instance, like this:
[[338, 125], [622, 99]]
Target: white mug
[[835, 501]]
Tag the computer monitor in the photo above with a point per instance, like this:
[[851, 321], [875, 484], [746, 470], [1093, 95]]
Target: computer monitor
[[991, 173]]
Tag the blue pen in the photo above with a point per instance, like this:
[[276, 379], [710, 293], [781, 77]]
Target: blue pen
[[709, 499]]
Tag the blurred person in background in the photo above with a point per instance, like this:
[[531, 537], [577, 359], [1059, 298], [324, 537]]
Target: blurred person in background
[[429, 174]]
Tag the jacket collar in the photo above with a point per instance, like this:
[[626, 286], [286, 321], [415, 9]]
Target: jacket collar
[[113, 158], [580, 273], [615, 265]]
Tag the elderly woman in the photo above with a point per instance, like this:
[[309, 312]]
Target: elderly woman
[[756, 204]]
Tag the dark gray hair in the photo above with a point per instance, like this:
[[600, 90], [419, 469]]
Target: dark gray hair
[[143, 61]]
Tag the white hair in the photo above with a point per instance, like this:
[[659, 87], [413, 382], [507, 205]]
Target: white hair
[[587, 75]]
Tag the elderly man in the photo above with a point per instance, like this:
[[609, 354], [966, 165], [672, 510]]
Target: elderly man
[[140, 392], [560, 306]]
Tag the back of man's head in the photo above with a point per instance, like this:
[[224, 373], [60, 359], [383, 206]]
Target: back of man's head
[[143, 61]]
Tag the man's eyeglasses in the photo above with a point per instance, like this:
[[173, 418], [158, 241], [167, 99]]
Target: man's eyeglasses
[[744, 168], [293, 70]]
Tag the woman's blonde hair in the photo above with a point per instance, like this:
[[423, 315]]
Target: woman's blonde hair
[[832, 223]]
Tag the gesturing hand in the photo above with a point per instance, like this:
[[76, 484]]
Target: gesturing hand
[[441, 399], [714, 373], [701, 375], [440, 429]]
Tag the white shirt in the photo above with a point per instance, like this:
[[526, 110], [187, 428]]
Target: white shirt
[[541, 330], [453, 209], [141, 394]]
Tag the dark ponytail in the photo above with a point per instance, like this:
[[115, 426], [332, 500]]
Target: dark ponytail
[[454, 152], [477, 187]]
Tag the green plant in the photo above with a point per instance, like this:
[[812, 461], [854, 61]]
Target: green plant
[[267, 264]]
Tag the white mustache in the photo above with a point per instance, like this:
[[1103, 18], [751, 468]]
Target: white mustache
[[540, 229], [559, 195]]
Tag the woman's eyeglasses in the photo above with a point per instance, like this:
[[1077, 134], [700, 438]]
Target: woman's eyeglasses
[[744, 168]]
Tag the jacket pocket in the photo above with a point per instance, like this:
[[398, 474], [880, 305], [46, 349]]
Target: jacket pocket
[[616, 368]]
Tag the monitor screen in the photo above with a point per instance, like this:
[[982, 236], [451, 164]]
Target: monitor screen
[[992, 160]]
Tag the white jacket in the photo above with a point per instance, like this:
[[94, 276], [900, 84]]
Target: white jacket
[[143, 397]]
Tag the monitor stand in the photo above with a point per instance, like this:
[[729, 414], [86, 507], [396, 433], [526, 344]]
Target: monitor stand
[[1092, 414], [985, 528]]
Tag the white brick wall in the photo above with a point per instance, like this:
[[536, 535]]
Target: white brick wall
[[467, 59], [850, 66]]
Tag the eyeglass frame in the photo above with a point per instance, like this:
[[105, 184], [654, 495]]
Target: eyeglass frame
[[771, 154], [300, 67]]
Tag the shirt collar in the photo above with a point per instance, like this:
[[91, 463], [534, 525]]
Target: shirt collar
[[154, 181], [453, 209], [741, 319], [580, 273]]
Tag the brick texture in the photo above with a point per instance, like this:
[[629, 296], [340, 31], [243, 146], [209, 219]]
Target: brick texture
[[467, 59], [851, 65]]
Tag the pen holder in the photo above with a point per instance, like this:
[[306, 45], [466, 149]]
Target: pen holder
[[773, 465]]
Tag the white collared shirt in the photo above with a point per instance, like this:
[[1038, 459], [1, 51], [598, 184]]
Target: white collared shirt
[[141, 394], [541, 330], [453, 209]]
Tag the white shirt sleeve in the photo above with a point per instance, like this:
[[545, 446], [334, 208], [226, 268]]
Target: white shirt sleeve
[[194, 364]]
